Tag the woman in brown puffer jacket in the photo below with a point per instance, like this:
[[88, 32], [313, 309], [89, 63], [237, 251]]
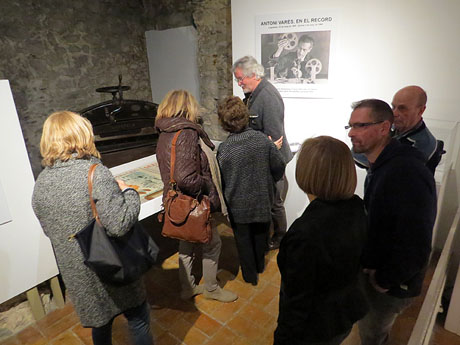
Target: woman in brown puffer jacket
[[179, 111]]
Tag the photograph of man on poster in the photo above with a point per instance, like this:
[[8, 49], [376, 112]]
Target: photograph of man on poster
[[296, 57]]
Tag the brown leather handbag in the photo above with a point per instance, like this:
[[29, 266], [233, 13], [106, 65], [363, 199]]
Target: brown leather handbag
[[185, 218]]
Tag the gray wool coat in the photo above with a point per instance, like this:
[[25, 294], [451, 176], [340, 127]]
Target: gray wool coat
[[61, 203]]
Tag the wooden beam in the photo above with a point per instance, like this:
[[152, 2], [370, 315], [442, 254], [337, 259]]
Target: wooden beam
[[35, 303]]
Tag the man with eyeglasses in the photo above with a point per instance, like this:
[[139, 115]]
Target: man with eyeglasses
[[400, 200], [408, 105], [266, 108]]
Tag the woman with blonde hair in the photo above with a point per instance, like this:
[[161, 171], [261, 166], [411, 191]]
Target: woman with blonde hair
[[319, 257], [61, 203], [178, 111]]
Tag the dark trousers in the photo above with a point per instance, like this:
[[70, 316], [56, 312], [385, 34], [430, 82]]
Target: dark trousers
[[138, 323], [337, 340], [251, 243], [278, 211]]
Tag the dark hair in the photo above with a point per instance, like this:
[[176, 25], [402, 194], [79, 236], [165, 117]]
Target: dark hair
[[380, 110], [306, 39], [233, 114]]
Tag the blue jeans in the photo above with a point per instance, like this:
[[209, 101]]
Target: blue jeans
[[138, 323], [375, 327], [337, 340]]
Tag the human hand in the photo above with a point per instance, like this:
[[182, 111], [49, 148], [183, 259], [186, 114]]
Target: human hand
[[281, 45], [371, 273], [278, 143], [122, 184], [297, 72]]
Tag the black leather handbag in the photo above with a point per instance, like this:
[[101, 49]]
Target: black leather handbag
[[115, 260]]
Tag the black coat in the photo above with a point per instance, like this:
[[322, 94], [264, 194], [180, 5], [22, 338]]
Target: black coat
[[319, 257], [400, 199]]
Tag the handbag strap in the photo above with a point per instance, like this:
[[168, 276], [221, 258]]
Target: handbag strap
[[90, 189], [172, 165], [172, 181]]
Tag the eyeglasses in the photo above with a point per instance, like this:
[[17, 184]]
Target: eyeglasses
[[240, 80], [359, 125]]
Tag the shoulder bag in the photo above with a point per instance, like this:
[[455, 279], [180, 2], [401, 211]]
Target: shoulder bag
[[185, 218], [115, 260]]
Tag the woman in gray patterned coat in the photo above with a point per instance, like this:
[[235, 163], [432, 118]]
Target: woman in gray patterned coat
[[250, 164], [61, 203]]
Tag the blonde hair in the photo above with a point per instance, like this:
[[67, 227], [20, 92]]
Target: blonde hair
[[178, 103], [66, 133], [325, 168]]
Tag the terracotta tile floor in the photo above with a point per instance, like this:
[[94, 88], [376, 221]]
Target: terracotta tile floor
[[250, 320]]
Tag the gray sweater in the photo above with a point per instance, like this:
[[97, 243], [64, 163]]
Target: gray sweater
[[249, 164], [61, 203]]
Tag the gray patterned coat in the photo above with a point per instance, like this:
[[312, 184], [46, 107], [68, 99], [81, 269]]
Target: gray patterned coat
[[61, 203]]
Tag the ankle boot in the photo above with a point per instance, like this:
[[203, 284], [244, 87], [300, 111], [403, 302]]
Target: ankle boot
[[220, 294]]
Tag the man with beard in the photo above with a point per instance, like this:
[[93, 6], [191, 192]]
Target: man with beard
[[266, 112], [400, 200]]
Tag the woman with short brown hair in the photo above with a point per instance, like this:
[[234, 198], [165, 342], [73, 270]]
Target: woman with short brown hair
[[319, 257], [250, 165]]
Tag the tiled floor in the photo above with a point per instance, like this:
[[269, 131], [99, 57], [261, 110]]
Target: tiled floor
[[250, 320]]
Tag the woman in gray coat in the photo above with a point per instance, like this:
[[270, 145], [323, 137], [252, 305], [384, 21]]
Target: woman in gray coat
[[61, 203]]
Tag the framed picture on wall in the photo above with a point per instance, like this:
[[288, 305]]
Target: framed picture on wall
[[296, 51]]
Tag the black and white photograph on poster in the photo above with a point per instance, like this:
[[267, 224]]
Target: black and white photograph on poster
[[295, 51]]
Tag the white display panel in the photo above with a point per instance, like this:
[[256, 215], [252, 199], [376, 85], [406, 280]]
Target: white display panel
[[26, 255], [173, 61], [149, 207], [5, 215]]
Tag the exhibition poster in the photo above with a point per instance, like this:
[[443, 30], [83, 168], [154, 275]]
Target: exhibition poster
[[296, 51]]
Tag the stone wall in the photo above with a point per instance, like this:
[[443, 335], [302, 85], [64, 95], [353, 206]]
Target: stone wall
[[213, 22], [56, 53], [212, 19]]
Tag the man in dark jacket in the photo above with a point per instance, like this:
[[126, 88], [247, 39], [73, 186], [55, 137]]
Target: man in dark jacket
[[266, 110], [400, 200]]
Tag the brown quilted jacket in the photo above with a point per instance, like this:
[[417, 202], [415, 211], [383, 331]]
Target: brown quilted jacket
[[191, 172]]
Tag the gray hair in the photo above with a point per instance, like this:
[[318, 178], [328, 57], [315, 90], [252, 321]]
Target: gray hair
[[249, 66]]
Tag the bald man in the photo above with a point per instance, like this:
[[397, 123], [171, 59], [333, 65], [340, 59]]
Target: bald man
[[408, 105]]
